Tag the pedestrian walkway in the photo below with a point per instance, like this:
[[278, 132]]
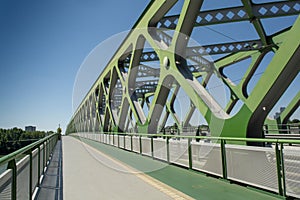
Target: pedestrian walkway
[[51, 185], [91, 174], [97, 171]]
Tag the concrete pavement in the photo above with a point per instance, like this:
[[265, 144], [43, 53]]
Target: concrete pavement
[[90, 174]]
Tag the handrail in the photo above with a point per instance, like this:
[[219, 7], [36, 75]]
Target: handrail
[[10, 159], [284, 136], [213, 138], [15, 154], [282, 189]]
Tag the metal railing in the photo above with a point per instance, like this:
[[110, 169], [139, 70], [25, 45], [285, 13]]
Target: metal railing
[[281, 129], [275, 168], [22, 175]]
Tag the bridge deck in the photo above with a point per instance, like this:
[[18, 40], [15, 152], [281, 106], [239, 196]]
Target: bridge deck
[[92, 170]]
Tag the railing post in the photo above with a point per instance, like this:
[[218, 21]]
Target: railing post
[[47, 151], [39, 166], [50, 146], [131, 146], [12, 165], [152, 147], [224, 163], [109, 138], [44, 152], [46, 155], [168, 149], [266, 131], [278, 169], [124, 139], [30, 174], [140, 139], [282, 169], [190, 153], [113, 139], [118, 137]]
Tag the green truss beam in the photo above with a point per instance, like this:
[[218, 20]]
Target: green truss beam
[[134, 95]]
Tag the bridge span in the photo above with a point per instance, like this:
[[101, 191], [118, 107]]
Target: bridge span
[[128, 139], [129, 166], [158, 96]]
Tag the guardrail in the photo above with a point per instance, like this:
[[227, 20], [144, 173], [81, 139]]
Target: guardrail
[[283, 136], [274, 168], [281, 129], [21, 178]]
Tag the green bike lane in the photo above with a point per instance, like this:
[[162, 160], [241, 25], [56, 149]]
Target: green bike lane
[[194, 184]]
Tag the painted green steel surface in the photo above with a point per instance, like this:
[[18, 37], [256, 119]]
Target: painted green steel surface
[[117, 100]]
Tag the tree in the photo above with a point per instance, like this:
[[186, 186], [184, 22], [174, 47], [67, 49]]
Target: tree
[[295, 121], [16, 138]]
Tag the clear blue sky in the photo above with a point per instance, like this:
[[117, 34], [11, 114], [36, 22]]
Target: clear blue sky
[[43, 44]]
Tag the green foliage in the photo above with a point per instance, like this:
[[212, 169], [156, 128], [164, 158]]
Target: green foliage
[[16, 138], [295, 121]]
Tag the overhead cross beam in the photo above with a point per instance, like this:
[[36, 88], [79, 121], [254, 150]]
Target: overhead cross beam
[[248, 12]]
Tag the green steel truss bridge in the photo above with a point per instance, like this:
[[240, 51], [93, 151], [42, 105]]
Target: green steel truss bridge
[[135, 97], [138, 89]]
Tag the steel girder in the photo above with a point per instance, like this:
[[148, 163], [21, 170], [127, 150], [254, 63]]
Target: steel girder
[[138, 84]]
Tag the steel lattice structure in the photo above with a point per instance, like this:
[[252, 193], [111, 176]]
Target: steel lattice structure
[[140, 78]]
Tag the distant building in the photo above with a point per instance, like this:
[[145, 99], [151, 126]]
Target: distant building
[[30, 128]]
